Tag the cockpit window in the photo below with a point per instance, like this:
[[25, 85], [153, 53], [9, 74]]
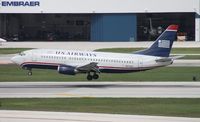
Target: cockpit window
[[22, 54]]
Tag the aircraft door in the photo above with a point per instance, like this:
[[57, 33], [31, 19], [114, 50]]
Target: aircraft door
[[140, 63], [34, 56]]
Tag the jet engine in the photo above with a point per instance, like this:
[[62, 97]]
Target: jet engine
[[67, 70]]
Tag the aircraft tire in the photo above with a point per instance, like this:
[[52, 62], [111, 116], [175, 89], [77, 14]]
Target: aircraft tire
[[30, 73], [95, 76], [89, 77]]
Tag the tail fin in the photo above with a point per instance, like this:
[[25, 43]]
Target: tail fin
[[163, 44]]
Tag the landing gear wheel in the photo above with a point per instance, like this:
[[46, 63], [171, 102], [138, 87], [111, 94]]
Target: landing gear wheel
[[30, 73], [89, 77], [95, 76]]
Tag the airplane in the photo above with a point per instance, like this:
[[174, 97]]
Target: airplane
[[2, 41], [72, 62]]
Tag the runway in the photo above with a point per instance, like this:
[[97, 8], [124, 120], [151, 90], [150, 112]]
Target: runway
[[33, 116], [185, 63], [5, 59], [100, 89]]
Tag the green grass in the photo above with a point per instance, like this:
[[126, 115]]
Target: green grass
[[174, 50], [119, 50], [122, 50], [14, 73], [187, 51], [192, 57], [12, 50], [138, 106]]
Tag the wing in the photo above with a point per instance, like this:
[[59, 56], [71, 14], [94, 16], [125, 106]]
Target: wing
[[89, 67]]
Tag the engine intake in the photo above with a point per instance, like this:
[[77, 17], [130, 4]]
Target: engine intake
[[67, 70]]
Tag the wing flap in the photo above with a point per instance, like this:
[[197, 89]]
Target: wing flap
[[89, 67]]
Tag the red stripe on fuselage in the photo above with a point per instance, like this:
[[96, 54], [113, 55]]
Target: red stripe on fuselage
[[43, 63], [117, 68]]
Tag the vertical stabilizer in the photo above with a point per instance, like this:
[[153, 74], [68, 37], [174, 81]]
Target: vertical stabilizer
[[163, 44]]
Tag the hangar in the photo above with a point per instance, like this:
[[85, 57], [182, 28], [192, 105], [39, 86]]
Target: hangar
[[97, 20]]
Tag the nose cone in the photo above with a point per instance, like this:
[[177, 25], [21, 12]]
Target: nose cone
[[17, 60]]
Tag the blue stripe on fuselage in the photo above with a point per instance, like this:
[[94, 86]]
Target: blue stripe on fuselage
[[40, 66], [103, 70]]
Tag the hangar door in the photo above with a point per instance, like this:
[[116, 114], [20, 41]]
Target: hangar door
[[151, 25], [113, 27]]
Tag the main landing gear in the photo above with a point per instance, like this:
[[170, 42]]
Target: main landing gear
[[94, 76]]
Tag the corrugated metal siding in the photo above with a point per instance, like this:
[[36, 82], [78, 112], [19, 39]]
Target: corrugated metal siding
[[113, 27]]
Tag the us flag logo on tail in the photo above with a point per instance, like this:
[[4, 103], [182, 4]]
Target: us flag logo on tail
[[164, 43]]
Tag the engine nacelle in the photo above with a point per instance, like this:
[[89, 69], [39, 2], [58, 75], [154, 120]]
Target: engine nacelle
[[67, 70]]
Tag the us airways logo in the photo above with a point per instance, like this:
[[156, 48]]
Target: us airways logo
[[164, 43], [19, 3]]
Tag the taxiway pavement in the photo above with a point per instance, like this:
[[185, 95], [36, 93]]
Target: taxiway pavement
[[5, 58], [100, 89], [89, 46], [36, 116]]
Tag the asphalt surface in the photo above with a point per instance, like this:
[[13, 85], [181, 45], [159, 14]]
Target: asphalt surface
[[89, 46], [185, 63], [100, 89], [35, 116], [5, 59]]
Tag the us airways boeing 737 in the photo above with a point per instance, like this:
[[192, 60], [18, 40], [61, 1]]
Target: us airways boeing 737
[[71, 62]]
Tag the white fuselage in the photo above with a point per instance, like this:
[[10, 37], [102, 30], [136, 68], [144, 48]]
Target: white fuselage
[[106, 62]]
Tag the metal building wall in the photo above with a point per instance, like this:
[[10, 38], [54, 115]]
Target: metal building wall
[[113, 27], [101, 6]]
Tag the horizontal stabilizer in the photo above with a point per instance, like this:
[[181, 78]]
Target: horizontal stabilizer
[[168, 59], [177, 57], [164, 60]]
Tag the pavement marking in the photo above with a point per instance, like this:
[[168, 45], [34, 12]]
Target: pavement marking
[[74, 95]]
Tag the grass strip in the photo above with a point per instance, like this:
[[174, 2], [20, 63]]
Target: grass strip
[[15, 73], [174, 50], [12, 50], [120, 50], [191, 57], [139, 106]]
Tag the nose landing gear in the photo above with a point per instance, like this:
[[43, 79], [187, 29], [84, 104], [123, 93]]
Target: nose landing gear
[[30, 72]]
